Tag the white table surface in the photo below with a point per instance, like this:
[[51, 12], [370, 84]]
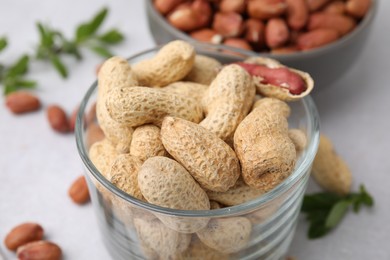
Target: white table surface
[[37, 165]]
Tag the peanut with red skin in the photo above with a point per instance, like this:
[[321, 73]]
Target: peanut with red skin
[[23, 234], [297, 13], [165, 6], [237, 6], [316, 38], [237, 43], [254, 32], [281, 77], [285, 50], [266, 9], [315, 5], [57, 119], [336, 7], [341, 23], [39, 250], [206, 35], [191, 16], [357, 8], [228, 24], [276, 33], [78, 191], [22, 102]]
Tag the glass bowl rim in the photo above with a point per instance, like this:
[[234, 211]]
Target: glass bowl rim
[[286, 57], [305, 165]]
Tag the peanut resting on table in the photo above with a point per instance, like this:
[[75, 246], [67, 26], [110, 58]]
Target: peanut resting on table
[[179, 135]]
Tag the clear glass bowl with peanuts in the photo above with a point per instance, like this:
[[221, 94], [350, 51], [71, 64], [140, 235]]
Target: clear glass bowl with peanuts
[[197, 152]]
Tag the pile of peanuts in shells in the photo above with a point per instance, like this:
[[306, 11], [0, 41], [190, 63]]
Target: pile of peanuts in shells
[[214, 135], [276, 26], [183, 131]]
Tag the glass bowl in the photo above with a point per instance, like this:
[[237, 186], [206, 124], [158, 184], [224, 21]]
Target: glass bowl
[[325, 64], [271, 217]]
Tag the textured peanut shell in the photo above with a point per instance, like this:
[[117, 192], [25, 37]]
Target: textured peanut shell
[[227, 235], [146, 142], [136, 106], [164, 182], [188, 89], [158, 238], [299, 139], [207, 158], [227, 101], [204, 70], [238, 194], [124, 174], [266, 153], [115, 72], [273, 104], [269, 90], [102, 155], [329, 170], [199, 251], [172, 63]]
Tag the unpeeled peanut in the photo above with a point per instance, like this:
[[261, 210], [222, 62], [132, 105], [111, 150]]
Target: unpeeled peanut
[[135, 106], [264, 134], [227, 101], [226, 235], [204, 70], [146, 143], [172, 63], [215, 169], [102, 155], [115, 72], [329, 170], [187, 88]]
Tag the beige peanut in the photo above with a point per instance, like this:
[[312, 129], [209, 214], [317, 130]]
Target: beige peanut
[[204, 71], [299, 139], [115, 72], [329, 170], [136, 106], [146, 142], [238, 194], [267, 155], [164, 182], [227, 101], [226, 235], [158, 239], [188, 89], [124, 174], [215, 169], [102, 155], [172, 63], [198, 250]]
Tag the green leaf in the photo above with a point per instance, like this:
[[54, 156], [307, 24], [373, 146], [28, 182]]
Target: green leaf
[[46, 37], [19, 68], [19, 84], [86, 30], [337, 213], [322, 200], [3, 43], [111, 37], [59, 66], [101, 51]]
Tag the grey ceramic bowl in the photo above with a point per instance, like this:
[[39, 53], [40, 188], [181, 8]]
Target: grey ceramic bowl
[[326, 64]]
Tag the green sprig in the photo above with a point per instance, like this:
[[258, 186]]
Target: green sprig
[[325, 210], [12, 77], [53, 43]]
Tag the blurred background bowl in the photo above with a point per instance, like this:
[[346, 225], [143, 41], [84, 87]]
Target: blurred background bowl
[[325, 64]]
